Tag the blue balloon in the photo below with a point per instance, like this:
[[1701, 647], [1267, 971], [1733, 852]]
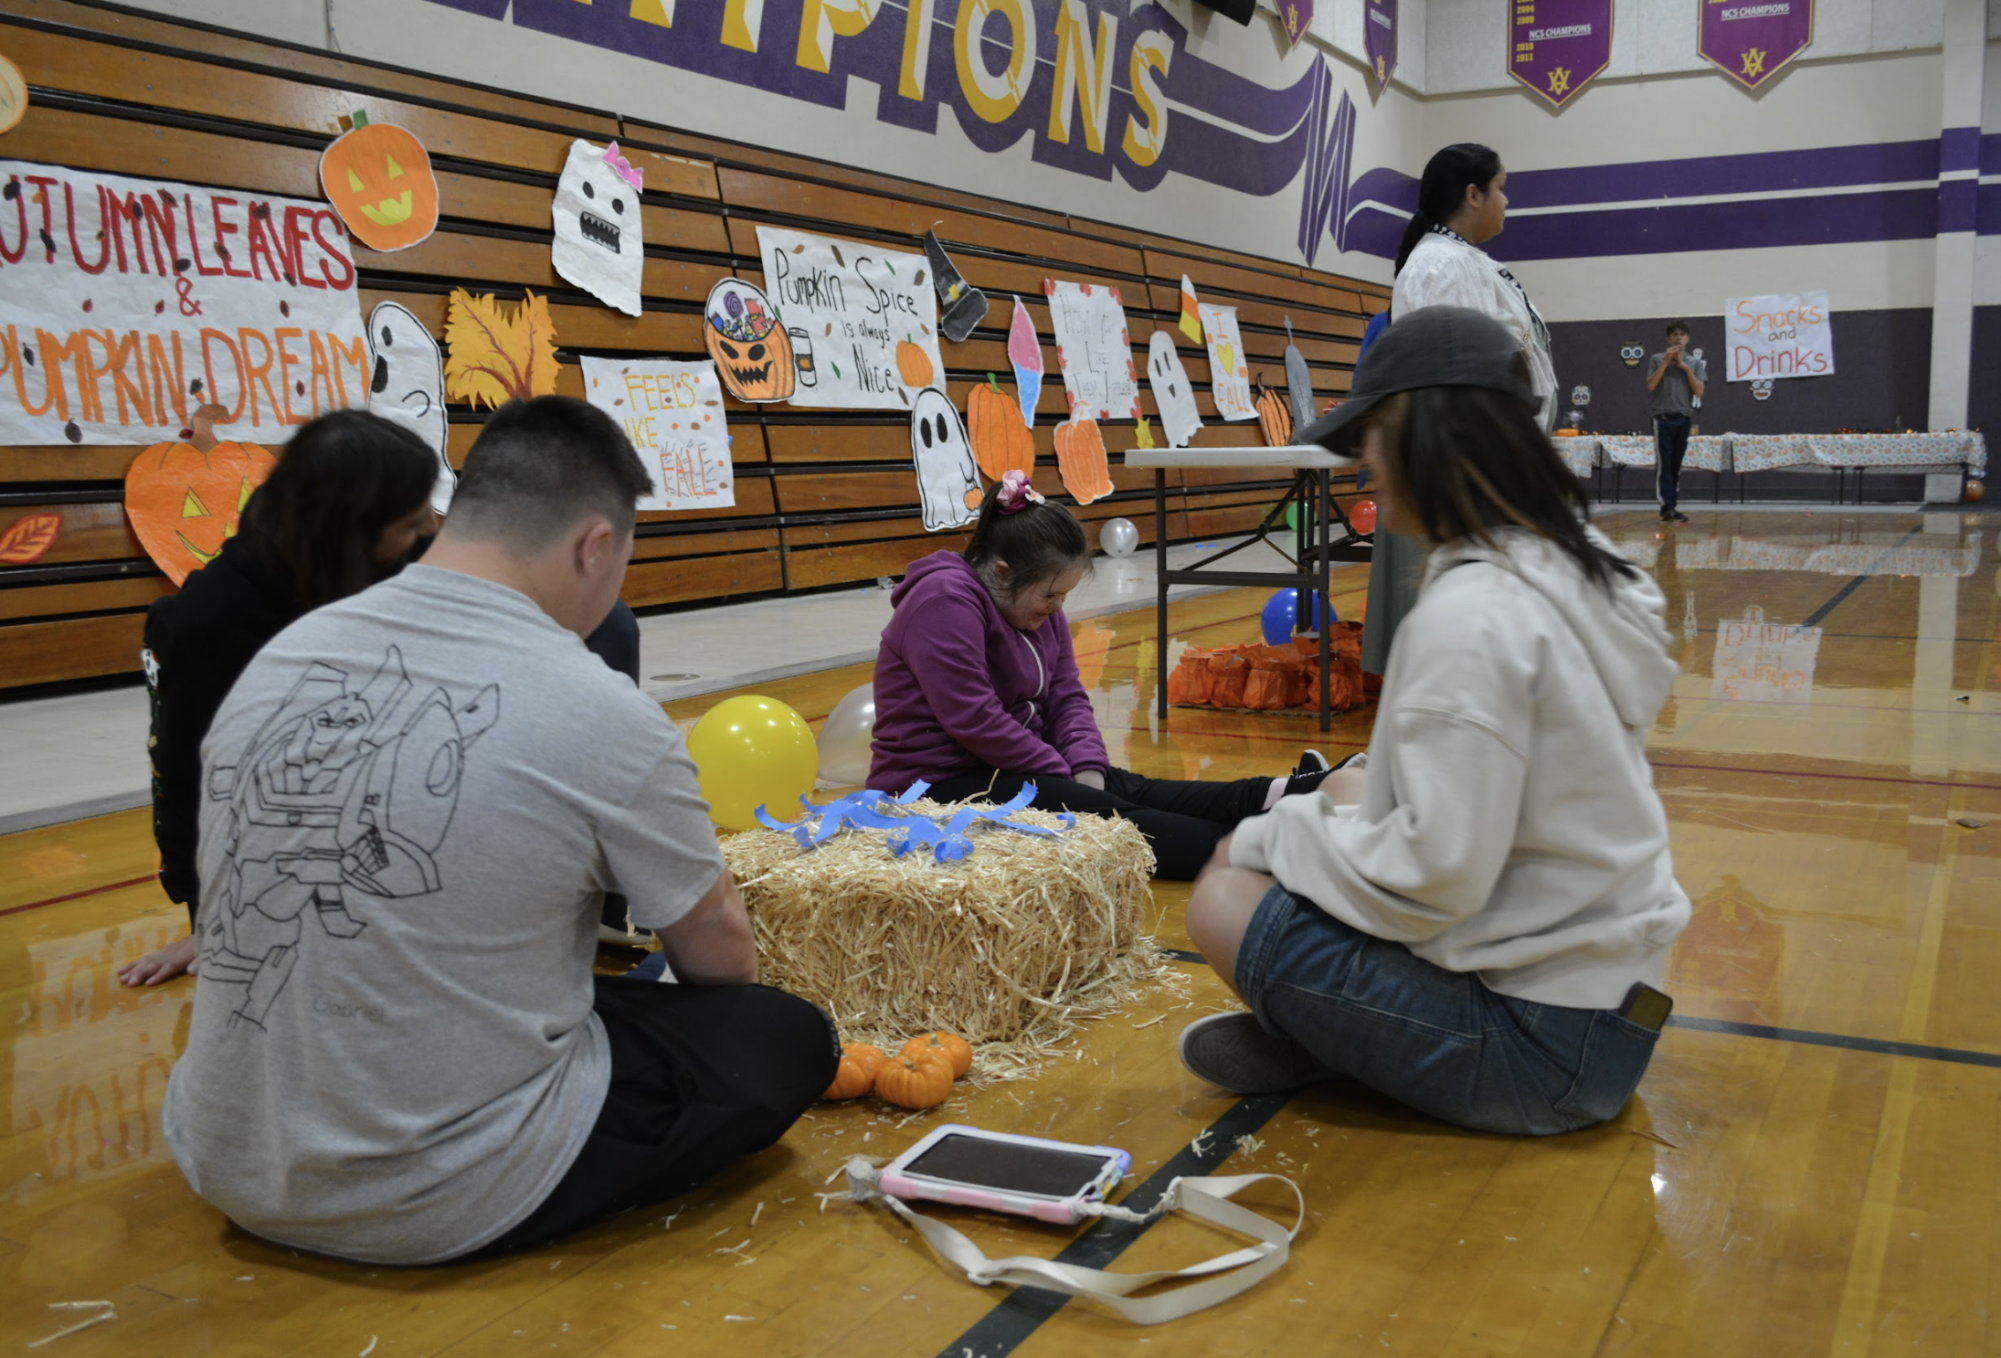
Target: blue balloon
[[1281, 616]]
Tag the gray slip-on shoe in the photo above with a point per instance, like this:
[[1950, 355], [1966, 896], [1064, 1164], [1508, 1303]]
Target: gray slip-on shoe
[[1234, 1051]]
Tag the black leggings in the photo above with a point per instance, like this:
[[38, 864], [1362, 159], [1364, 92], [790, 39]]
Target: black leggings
[[701, 1076], [1182, 821]]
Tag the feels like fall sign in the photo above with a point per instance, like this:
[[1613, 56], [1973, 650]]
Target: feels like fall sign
[[127, 303], [673, 413]]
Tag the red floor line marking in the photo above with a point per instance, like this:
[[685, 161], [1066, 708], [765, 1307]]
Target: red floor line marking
[[79, 895]]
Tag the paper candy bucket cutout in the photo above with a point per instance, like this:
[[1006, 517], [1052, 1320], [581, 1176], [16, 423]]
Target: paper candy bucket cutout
[[949, 840]]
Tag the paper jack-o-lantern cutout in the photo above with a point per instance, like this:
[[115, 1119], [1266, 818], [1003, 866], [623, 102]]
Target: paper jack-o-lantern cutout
[[378, 178], [948, 481], [1178, 417], [741, 332], [184, 498], [407, 386], [599, 245]]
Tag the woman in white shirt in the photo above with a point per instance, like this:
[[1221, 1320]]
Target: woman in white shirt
[[1462, 203], [1478, 922]]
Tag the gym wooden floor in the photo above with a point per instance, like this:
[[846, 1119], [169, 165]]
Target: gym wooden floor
[[1811, 1166]]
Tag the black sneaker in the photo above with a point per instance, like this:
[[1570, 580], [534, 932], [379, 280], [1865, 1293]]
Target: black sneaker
[[1235, 1052], [1678, 516], [1310, 761]]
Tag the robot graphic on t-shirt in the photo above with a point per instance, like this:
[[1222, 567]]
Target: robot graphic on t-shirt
[[343, 790]]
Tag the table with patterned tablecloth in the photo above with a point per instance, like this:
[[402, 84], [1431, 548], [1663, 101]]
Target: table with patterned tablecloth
[[1768, 452], [1705, 451], [1578, 451]]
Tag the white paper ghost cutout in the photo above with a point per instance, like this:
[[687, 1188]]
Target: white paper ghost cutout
[[1178, 417], [598, 238], [948, 480], [407, 387]]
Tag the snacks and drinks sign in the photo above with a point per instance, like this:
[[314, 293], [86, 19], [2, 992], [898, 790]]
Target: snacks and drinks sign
[[1555, 47], [1379, 39], [1779, 335], [1750, 40]]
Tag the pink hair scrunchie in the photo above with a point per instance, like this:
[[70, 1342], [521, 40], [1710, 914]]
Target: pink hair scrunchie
[[1016, 494]]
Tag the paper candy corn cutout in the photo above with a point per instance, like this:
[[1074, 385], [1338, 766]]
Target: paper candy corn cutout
[[1191, 319]]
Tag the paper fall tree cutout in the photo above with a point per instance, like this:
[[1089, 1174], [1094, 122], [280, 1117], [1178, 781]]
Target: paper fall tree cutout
[[498, 353], [28, 538]]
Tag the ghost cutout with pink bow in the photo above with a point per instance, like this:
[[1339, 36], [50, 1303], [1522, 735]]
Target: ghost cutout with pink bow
[[599, 245]]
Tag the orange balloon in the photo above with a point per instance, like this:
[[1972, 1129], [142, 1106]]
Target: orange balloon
[[1975, 492], [1363, 515]]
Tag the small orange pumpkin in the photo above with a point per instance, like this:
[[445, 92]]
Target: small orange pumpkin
[[956, 1051], [184, 498], [860, 1063], [1002, 441], [1080, 456], [378, 178], [915, 1082], [913, 364], [1273, 416]]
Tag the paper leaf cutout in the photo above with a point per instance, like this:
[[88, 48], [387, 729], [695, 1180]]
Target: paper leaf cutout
[[498, 353], [29, 538], [1080, 456]]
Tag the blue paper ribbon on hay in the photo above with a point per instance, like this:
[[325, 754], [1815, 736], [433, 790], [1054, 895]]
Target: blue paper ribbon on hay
[[949, 840]]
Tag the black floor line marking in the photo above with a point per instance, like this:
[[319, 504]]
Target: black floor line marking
[[1809, 1037], [1841, 595], [1003, 1329]]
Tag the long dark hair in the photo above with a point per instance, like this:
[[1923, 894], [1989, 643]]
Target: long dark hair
[[1447, 176], [1037, 541], [1467, 460], [343, 479]]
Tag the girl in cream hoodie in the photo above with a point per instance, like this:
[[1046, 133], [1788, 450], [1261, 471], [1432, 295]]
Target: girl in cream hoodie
[[1478, 923]]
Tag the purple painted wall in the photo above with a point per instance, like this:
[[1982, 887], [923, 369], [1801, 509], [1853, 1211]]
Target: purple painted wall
[[1884, 375]]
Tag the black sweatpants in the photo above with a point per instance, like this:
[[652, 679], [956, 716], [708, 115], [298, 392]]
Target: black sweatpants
[[1182, 821], [701, 1076]]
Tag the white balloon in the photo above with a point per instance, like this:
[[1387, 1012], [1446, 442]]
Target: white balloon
[[1118, 537], [844, 740]]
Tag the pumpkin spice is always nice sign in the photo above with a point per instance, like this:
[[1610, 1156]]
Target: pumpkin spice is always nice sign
[[862, 321], [130, 303]]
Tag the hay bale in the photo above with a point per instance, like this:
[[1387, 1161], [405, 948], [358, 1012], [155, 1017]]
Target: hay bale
[[1009, 947]]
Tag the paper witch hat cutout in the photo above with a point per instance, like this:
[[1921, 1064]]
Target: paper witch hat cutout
[[1191, 319], [1298, 382], [961, 306]]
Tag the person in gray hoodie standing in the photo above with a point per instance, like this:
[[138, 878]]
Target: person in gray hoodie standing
[[1478, 923]]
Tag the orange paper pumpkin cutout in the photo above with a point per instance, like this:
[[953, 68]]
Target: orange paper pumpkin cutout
[[1001, 439], [1080, 456], [184, 498], [378, 178]]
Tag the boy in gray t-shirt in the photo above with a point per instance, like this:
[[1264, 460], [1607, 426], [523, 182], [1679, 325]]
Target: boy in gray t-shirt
[[417, 799], [1677, 381]]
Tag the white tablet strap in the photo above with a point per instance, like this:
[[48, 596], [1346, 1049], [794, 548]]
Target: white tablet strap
[[1207, 1197]]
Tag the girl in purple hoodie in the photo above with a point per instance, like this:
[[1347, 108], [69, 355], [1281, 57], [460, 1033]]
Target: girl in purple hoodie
[[976, 691]]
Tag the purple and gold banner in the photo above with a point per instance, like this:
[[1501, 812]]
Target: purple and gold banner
[[1379, 39], [1750, 40], [1297, 15], [1555, 47]]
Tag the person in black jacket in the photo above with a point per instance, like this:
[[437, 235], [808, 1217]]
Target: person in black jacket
[[346, 505]]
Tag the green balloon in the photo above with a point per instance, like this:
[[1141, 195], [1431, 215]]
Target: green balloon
[[1292, 514]]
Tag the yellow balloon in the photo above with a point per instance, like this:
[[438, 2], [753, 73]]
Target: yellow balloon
[[751, 752]]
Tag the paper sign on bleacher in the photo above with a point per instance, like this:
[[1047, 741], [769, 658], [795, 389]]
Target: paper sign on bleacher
[[1778, 335]]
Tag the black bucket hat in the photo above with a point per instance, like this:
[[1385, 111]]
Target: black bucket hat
[[1435, 346]]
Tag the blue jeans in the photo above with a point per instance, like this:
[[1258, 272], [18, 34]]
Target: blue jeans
[[1670, 447], [1437, 1040]]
